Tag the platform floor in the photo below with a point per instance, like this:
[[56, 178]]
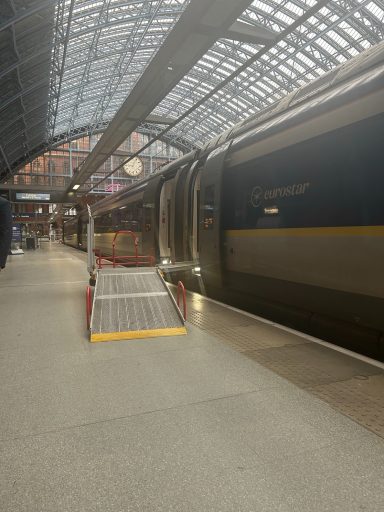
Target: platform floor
[[236, 416]]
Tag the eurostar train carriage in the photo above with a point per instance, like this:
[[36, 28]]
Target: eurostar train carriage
[[282, 215]]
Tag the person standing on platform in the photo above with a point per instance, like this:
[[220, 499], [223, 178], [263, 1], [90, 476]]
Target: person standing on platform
[[5, 230]]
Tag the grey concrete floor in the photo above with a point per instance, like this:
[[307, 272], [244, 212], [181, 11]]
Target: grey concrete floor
[[167, 424]]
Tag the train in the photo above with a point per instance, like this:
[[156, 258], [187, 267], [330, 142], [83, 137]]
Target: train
[[281, 215]]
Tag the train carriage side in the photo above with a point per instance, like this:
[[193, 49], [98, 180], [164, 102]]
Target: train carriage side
[[292, 218], [71, 232], [116, 214], [154, 210]]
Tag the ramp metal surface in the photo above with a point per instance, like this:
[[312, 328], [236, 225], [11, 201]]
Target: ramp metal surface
[[133, 303]]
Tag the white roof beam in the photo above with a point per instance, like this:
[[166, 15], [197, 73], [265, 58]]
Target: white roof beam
[[246, 33], [194, 33]]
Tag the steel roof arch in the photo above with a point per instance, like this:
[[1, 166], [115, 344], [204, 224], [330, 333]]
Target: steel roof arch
[[89, 65]]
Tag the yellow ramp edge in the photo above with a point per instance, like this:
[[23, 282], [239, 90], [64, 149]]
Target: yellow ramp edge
[[131, 335]]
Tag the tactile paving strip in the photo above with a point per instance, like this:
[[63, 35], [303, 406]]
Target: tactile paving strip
[[350, 386], [217, 321], [360, 398], [255, 337]]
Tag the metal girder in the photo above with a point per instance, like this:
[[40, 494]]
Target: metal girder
[[248, 34], [311, 12], [14, 120], [24, 79], [185, 44], [282, 68], [58, 61], [159, 119], [122, 67], [24, 60], [102, 15], [33, 87], [25, 13], [5, 160], [53, 189], [111, 51]]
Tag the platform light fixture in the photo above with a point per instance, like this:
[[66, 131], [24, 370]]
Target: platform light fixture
[[75, 187]]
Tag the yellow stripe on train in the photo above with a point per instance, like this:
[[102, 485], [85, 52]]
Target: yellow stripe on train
[[325, 231]]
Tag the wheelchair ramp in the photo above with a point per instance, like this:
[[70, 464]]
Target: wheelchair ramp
[[131, 303]]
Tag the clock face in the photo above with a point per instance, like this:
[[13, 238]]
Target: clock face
[[134, 167]]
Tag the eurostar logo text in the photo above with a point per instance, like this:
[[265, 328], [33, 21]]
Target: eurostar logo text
[[258, 194]]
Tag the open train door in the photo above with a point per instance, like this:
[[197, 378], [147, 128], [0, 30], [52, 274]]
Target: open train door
[[151, 208], [192, 212], [166, 216], [180, 214], [211, 206]]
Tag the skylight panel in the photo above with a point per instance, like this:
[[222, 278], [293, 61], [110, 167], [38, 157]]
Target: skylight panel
[[336, 37], [294, 8], [365, 44], [346, 27], [263, 7], [326, 46], [376, 11], [228, 66], [353, 51], [284, 17], [286, 70], [261, 84], [296, 65]]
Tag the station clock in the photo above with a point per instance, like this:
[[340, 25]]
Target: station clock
[[134, 167]]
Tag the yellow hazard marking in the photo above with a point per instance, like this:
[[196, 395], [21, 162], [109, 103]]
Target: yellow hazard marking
[[130, 335], [326, 231]]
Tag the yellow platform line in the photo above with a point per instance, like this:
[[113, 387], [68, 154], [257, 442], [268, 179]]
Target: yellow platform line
[[131, 335]]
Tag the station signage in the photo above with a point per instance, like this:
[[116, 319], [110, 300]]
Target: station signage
[[113, 187], [24, 215], [30, 196], [16, 233]]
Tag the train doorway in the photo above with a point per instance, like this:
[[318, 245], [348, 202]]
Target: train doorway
[[165, 221], [195, 245]]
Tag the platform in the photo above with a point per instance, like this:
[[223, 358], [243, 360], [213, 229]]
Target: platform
[[238, 415]]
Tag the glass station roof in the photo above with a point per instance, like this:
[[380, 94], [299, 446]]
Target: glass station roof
[[109, 45], [111, 42], [100, 48]]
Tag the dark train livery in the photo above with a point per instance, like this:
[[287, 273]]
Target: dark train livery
[[284, 213]]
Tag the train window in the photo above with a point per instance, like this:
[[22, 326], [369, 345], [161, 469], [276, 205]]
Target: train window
[[131, 217], [115, 219], [103, 223], [208, 207]]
